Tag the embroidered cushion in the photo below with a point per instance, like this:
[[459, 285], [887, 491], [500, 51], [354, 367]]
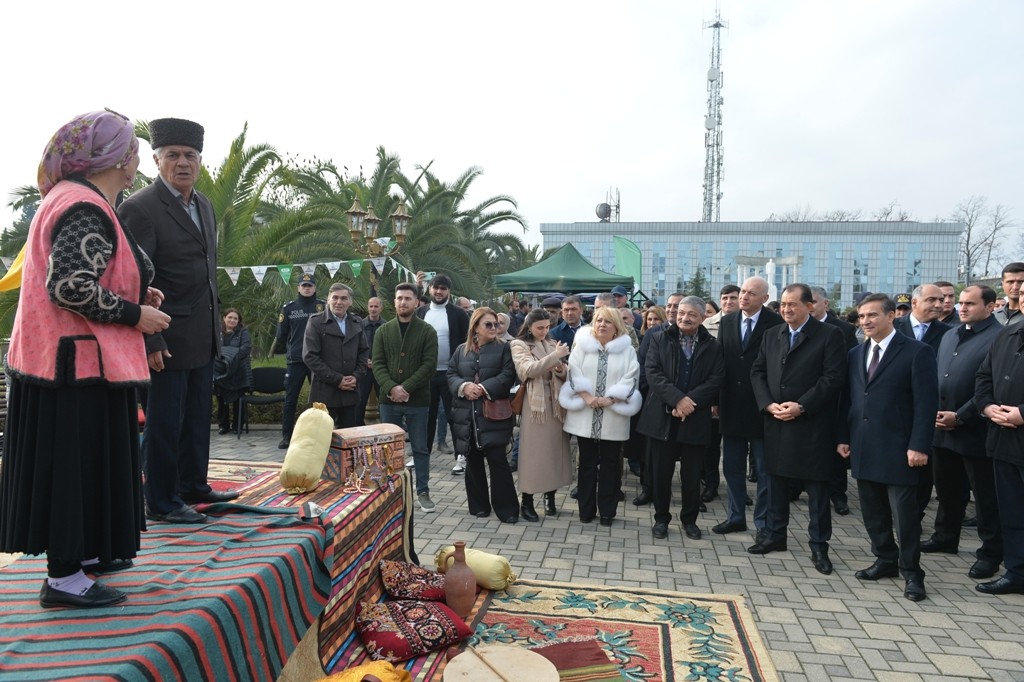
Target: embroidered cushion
[[399, 630], [408, 581]]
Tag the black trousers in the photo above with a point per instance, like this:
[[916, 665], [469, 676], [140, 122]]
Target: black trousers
[[663, 459], [950, 469], [838, 484], [367, 383], [599, 477], [925, 487], [224, 410], [502, 498], [887, 507], [345, 416], [1010, 490], [712, 459], [819, 527], [439, 394], [295, 375]]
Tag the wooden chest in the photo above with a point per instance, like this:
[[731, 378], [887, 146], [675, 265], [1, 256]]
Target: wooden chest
[[375, 448]]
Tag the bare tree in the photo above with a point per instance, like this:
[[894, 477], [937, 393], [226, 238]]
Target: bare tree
[[892, 212], [998, 222], [793, 215], [982, 237], [839, 215]]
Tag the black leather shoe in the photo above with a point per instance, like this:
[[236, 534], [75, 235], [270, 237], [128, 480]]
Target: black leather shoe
[[283, 445], [1001, 586], [982, 569], [586, 519], [708, 495], [481, 514], [179, 515], [660, 530], [692, 531], [510, 519], [760, 536], [915, 590], [842, 508], [113, 566], [97, 595], [574, 493], [212, 496], [822, 564], [752, 476], [877, 571], [606, 520], [764, 547], [224, 430], [527, 511], [726, 527], [933, 546], [644, 498]]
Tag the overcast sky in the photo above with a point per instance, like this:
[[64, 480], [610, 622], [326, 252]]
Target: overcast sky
[[837, 104]]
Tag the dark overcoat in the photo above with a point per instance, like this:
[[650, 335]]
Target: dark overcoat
[[662, 367], [330, 356], [811, 373], [185, 259], [493, 364], [960, 354], [1000, 381], [932, 337], [737, 409], [892, 413]]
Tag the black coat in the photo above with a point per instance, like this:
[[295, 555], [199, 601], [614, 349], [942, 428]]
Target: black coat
[[1000, 381], [738, 414], [959, 357], [706, 375], [232, 371], [186, 272], [811, 373], [848, 330], [331, 356], [892, 413], [932, 337], [496, 373]]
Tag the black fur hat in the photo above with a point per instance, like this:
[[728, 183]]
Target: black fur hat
[[165, 131]]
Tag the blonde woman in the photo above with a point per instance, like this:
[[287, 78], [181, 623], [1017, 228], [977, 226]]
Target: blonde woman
[[544, 460], [599, 397], [654, 317]]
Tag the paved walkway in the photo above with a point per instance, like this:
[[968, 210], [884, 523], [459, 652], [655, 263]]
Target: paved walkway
[[816, 627]]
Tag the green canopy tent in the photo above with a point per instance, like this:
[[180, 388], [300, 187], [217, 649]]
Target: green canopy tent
[[565, 270]]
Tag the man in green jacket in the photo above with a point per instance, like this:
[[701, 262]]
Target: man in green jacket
[[404, 360]]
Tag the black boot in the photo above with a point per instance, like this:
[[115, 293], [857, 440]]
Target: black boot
[[526, 510], [643, 498], [549, 504]]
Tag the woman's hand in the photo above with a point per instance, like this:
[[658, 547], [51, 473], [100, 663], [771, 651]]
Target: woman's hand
[[152, 320], [561, 350], [154, 297], [473, 391]]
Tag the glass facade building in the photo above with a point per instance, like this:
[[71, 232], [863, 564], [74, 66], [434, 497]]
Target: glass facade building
[[847, 258]]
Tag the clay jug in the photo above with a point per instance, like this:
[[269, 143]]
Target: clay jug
[[459, 582]]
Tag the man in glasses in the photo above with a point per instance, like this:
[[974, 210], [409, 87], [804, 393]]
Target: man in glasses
[[291, 325]]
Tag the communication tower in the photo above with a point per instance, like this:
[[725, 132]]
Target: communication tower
[[713, 127], [608, 212]]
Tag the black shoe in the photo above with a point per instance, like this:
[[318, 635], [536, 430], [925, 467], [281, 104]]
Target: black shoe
[[765, 547], [660, 530], [224, 430], [822, 564], [212, 496], [933, 546], [481, 514], [116, 565], [692, 531], [877, 571], [760, 536], [726, 527], [983, 568], [283, 445], [180, 515], [709, 494], [574, 493], [1001, 586], [971, 522], [752, 476], [749, 502], [622, 496], [526, 509], [586, 519], [549, 505], [606, 520], [644, 498], [915, 590], [842, 508], [97, 595], [510, 519]]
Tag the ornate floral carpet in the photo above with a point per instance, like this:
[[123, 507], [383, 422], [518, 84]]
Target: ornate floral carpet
[[652, 636]]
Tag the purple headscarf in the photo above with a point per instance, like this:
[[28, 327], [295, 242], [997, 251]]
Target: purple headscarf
[[91, 142]]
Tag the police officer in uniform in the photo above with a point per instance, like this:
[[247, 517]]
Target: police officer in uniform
[[291, 325]]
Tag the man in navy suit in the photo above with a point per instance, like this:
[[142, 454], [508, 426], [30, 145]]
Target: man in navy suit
[[893, 398]]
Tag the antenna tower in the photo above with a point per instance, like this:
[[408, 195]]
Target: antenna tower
[[713, 127]]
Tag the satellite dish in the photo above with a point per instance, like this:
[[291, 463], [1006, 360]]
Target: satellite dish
[[709, 123], [604, 212], [713, 74]]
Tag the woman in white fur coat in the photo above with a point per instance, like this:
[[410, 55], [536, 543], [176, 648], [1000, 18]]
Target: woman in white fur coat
[[600, 396]]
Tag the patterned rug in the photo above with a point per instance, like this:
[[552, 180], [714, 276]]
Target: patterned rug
[[225, 472], [652, 636]]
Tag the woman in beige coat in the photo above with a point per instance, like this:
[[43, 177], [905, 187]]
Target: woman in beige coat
[[544, 460]]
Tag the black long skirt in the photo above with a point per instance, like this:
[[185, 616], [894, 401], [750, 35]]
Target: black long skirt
[[70, 478]]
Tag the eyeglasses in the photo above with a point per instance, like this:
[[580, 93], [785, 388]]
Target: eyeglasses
[[490, 325]]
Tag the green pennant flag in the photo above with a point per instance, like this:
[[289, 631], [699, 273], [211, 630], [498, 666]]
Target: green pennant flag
[[357, 267], [286, 273], [628, 261]]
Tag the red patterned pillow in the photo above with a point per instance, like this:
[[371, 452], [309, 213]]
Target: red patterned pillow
[[408, 581], [399, 630]]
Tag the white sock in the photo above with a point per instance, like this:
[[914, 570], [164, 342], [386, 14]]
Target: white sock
[[91, 562], [78, 583]]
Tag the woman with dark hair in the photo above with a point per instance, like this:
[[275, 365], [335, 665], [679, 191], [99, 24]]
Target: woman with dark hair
[[71, 483], [545, 463], [481, 369], [233, 370], [710, 308]]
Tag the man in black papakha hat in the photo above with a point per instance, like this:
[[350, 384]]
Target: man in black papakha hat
[[175, 225]]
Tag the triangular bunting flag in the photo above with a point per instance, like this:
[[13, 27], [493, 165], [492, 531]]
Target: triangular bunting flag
[[259, 272], [7, 260], [357, 267], [378, 264], [233, 274], [333, 267], [286, 273], [308, 268]]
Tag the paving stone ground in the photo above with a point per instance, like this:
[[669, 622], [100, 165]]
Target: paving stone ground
[[816, 627]]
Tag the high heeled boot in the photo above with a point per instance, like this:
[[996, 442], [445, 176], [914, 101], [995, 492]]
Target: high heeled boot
[[526, 509], [549, 504]]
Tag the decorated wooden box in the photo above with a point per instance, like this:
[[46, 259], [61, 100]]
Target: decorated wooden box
[[361, 450]]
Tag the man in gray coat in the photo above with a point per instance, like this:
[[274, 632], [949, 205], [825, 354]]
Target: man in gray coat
[[337, 353]]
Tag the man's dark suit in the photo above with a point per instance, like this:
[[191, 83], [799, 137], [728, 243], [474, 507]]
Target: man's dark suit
[[458, 330], [892, 413], [330, 356], [839, 481], [811, 372], [739, 418], [176, 443]]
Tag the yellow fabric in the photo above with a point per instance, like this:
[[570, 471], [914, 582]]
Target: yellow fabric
[[307, 452], [383, 670], [12, 280], [492, 572]]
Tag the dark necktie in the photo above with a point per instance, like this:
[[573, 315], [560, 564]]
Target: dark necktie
[[688, 346], [792, 338], [747, 324], [873, 365]]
